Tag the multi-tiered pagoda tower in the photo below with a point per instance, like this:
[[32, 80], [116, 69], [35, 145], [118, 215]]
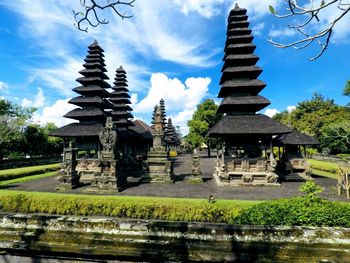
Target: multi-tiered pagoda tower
[[247, 135], [120, 100], [91, 103]]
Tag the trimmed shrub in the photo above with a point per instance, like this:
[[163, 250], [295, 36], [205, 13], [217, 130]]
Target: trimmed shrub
[[299, 211], [130, 207], [27, 171]]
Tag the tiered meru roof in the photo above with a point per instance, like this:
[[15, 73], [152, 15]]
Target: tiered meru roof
[[92, 100], [240, 86], [120, 100]]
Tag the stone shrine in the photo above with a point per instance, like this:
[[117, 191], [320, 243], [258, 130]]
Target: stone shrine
[[159, 167]]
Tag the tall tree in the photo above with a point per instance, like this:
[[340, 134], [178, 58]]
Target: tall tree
[[304, 15], [13, 120], [202, 120], [323, 119]]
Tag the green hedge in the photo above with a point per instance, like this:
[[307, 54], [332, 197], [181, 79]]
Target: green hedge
[[299, 211], [172, 209], [9, 174]]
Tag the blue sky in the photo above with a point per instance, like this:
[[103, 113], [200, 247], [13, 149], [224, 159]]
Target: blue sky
[[169, 48]]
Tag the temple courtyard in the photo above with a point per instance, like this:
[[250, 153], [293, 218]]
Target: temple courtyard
[[183, 188]]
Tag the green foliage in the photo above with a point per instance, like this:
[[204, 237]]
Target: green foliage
[[13, 120], [172, 209], [272, 9], [27, 171], [299, 211], [310, 189], [202, 120], [346, 91], [321, 118]]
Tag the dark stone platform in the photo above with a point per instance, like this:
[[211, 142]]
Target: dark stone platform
[[182, 188]]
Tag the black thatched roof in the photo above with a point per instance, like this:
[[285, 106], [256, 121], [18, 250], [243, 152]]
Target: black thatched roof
[[247, 124], [92, 90], [253, 86], [95, 80], [143, 129], [250, 72], [239, 31], [243, 103], [119, 98], [240, 60], [95, 45], [240, 48], [94, 72], [120, 70], [238, 24], [78, 130], [85, 113], [239, 39], [236, 11], [296, 138]]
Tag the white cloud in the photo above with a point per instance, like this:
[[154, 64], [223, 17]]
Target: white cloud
[[291, 108], [180, 98], [39, 99], [282, 33], [177, 95], [271, 112], [206, 8], [54, 113], [209, 8], [133, 99], [3, 85], [258, 28], [26, 102]]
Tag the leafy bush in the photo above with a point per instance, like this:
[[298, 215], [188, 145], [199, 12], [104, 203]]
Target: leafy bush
[[27, 171], [308, 210], [299, 211], [172, 209]]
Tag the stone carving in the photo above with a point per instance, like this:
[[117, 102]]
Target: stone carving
[[196, 168], [108, 177], [108, 140], [67, 175], [245, 171]]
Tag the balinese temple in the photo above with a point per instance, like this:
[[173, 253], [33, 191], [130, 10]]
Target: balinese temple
[[120, 100], [246, 157], [292, 165], [91, 102]]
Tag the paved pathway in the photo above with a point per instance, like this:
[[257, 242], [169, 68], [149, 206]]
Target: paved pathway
[[181, 188]]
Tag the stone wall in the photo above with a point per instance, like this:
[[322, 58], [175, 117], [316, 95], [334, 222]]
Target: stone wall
[[109, 239]]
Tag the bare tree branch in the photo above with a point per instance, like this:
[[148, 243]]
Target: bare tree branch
[[91, 17], [308, 35]]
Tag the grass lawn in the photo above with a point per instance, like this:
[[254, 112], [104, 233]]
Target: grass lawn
[[9, 174], [322, 168], [26, 178]]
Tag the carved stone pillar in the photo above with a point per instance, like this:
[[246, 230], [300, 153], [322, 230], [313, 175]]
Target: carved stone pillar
[[68, 177]]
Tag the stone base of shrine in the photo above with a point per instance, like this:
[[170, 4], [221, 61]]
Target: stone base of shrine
[[160, 169], [245, 179]]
